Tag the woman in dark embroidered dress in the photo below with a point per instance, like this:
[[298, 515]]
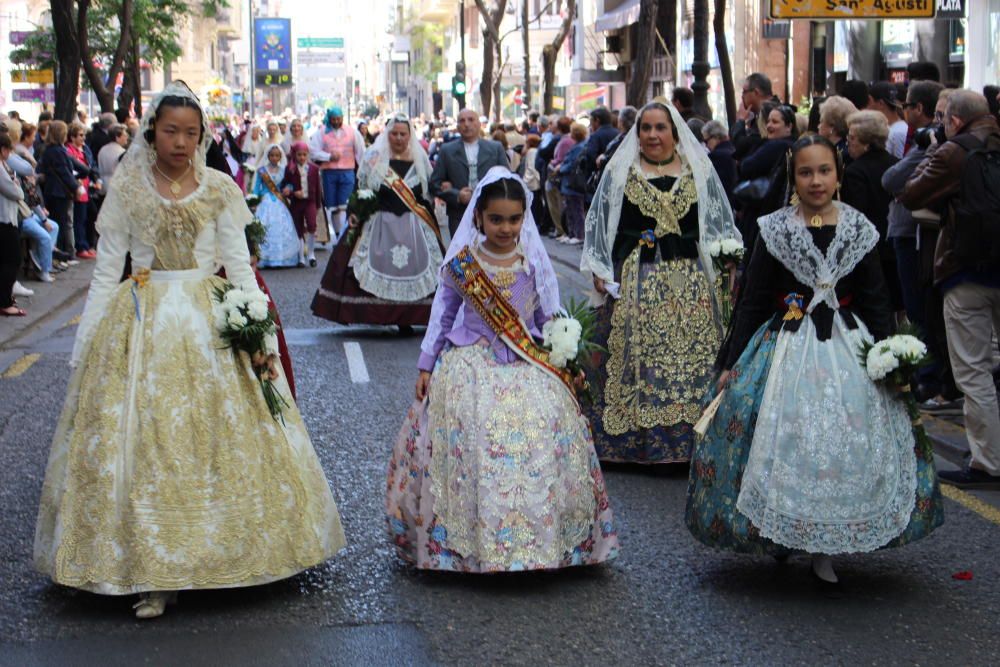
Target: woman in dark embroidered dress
[[386, 271], [658, 207]]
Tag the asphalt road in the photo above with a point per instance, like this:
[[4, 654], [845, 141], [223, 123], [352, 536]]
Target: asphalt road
[[665, 600]]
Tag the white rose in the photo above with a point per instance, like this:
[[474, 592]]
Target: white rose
[[236, 297], [714, 248], [366, 194], [221, 317], [732, 247], [257, 310], [547, 333], [236, 320]]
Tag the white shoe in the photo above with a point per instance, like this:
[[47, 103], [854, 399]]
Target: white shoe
[[21, 290], [822, 567], [153, 604], [46, 277]]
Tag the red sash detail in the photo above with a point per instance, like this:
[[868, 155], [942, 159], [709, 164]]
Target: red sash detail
[[272, 188], [505, 321]]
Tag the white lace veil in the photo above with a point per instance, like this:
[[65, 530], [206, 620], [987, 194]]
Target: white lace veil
[[531, 245], [138, 160], [715, 216], [375, 163]]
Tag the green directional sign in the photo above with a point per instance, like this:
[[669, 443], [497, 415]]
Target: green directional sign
[[321, 42]]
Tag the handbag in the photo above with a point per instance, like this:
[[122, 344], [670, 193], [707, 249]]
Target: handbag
[[752, 190]]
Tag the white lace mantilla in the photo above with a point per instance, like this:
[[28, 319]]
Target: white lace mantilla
[[789, 241]]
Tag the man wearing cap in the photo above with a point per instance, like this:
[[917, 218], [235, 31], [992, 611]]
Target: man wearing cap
[[338, 150], [884, 97]]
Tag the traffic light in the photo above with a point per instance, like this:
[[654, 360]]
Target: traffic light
[[458, 87]]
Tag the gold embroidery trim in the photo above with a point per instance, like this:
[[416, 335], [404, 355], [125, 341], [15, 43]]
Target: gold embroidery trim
[[667, 208]]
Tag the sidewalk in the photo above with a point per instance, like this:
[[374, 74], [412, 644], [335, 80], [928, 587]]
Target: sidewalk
[[48, 301]]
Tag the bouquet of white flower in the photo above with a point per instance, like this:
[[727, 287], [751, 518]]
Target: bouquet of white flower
[[723, 254], [363, 204], [894, 360], [252, 202], [569, 338], [246, 324]]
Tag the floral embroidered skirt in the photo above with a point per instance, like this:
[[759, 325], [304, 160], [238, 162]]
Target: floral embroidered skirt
[[496, 472], [661, 341], [719, 463], [281, 246], [167, 472], [397, 258]]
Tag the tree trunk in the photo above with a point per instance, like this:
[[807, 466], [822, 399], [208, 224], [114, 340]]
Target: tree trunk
[[725, 65], [68, 59], [526, 45], [489, 88], [700, 67], [486, 84], [497, 97], [642, 66], [104, 88], [550, 53], [136, 76]]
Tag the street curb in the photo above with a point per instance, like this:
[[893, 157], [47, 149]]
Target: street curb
[[948, 439], [47, 317]]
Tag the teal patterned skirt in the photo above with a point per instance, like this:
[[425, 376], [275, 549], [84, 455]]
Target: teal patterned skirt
[[718, 461]]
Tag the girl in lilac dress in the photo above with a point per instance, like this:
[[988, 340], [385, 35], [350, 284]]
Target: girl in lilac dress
[[494, 469]]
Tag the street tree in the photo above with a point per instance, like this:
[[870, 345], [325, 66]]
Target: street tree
[[550, 53], [642, 66], [489, 87], [725, 64], [526, 49]]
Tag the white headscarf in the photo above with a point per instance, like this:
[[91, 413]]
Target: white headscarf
[[715, 216], [136, 162], [536, 257], [265, 163], [375, 163]]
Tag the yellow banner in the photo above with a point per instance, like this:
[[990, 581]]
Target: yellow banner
[[852, 9], [32, 76]]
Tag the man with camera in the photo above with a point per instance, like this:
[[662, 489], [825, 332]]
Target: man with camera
[[962, 178]]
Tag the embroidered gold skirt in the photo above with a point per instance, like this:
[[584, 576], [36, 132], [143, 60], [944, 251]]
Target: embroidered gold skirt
[[167, 471]]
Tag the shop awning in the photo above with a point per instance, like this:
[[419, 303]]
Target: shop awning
[[625, 14]]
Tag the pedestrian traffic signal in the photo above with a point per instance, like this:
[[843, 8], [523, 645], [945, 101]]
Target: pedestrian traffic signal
[[458, 86]]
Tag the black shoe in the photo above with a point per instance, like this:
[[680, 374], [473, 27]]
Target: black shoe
[[942, 406], [312, 262], [405, 330], [61, 256], [970, 478]]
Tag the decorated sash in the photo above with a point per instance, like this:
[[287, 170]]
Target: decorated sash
[[498, 313], [404, 192], [271, 187]]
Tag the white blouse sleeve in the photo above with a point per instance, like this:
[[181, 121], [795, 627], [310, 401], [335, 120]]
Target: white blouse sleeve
[[112, 248]]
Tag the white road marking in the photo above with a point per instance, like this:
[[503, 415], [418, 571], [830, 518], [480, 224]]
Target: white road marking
[[356, 363]]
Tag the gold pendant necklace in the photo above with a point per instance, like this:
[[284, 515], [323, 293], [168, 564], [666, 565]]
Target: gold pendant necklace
[[175, 186], [816, 221]]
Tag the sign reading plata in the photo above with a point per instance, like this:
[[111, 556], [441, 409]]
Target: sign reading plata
[[852, 9]]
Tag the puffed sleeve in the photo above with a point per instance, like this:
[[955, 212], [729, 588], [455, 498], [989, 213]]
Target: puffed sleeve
[[452, 302], [231, 240], [112, 249]]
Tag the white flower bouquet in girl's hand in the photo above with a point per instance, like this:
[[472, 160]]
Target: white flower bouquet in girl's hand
[[245, 323], [894, 359], [723, 254], [569, 338]]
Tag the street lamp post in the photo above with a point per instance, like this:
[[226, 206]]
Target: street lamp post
[[250, 58], [700, 67]]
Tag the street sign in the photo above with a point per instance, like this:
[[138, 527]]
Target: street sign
[[35, 95], [32, 76], [852, 9], [321, 42], [322, 57]]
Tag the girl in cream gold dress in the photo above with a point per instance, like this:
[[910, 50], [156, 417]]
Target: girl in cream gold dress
[[167, 471]]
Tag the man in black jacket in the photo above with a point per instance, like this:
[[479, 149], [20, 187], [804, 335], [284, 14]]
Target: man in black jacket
[[745, 132]]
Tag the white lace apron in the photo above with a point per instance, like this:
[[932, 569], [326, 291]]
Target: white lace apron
[[832, 467]]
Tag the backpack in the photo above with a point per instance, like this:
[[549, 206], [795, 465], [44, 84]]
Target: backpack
[[578, 175], [976, 230]]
